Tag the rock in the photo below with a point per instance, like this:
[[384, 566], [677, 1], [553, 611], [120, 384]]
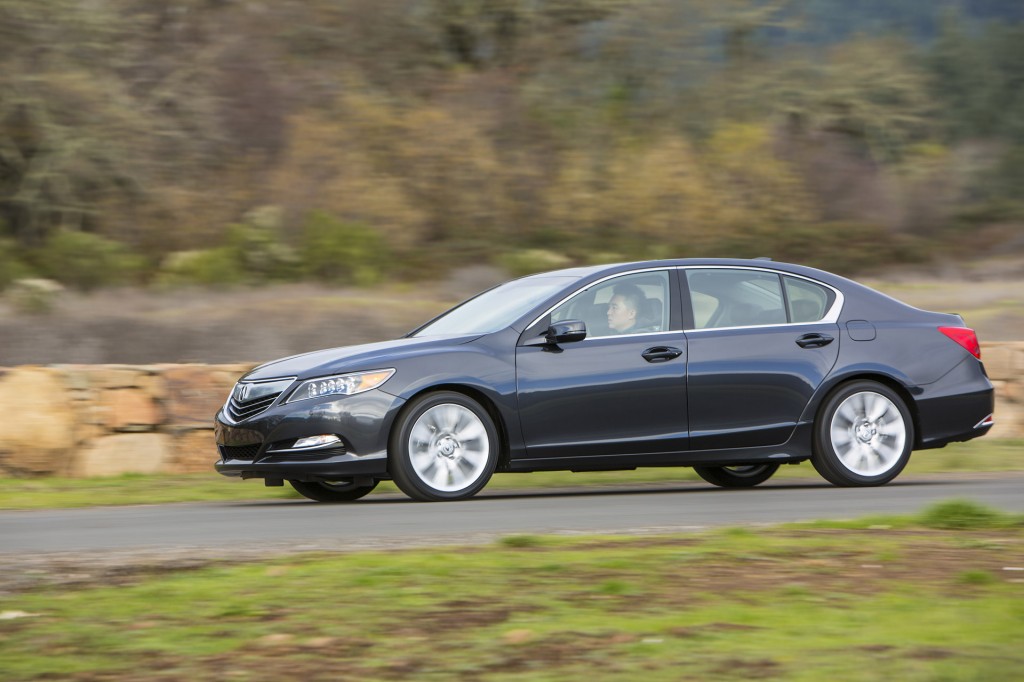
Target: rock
[[77, 377], [194, 394], [86, 431], [117, 376], [1012, 391], [194, 452], [998, 359], [1018, 361], [277, 639], [154, 385], [124, 453], [519, 636], [129, 409], [38, 421]]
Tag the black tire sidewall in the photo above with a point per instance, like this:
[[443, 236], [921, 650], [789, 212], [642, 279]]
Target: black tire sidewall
[[324, 493], [721, 476], [827, 461], [402, 471]]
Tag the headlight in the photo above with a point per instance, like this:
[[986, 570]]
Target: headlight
[[341, 384]]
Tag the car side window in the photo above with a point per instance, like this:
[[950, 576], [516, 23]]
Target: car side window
[[725, 297], [631, 304], [808, 302]]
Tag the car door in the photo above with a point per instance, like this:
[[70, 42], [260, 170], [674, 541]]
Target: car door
[[759, 343], [617, 392]]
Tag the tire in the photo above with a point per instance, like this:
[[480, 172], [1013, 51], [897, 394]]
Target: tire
[[444, 447], [333, 491], [863, 435], [746, 476]]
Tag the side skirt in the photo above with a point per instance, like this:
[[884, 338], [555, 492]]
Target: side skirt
[[796, 449]]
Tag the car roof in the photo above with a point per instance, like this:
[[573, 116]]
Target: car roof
[[587, 272]]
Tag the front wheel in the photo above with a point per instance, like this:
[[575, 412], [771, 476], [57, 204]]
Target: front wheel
[[863, 435], [444, 447], [745, 476], [333, 491]]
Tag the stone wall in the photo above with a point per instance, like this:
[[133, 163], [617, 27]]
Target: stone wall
[[104, 420], [1004, 363]]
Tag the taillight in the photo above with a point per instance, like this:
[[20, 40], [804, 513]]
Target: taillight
[[966, 337]]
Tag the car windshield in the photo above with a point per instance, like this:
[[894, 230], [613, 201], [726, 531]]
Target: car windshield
[[496, 308]]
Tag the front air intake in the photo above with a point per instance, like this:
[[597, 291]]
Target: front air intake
[[242, 452]]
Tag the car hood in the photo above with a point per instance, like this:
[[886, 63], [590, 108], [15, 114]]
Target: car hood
[[352, 358]]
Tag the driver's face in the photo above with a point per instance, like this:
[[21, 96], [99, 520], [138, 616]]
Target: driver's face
[[620, 316]]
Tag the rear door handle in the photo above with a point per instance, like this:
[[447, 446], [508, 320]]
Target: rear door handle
[[661, 353], [814, 340]]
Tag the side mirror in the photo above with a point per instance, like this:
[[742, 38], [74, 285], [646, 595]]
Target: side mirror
[[567, 331]]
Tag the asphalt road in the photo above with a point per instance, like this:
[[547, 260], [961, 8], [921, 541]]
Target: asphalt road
[[394, 521]]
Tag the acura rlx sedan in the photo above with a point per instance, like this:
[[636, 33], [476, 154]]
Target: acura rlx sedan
[[732, 367]]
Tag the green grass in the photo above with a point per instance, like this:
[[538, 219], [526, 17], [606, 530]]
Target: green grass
[[951, 515], [786, 603], [975, 456]]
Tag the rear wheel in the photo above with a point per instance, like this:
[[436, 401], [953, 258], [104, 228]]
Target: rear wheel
[[333, 491], [444, 447], [863, 435], [744, 476]]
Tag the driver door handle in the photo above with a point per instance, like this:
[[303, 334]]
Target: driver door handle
[[814, 340], [661, 354]]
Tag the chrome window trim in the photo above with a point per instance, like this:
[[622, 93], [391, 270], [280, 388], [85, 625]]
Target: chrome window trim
[[630, 336], [664, 268], [831, 317]]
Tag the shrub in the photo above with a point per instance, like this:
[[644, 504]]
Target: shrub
[[87, 261], [976, 577], [529, 261], [33, 295], [209, 267], [960, 515], [258, 246], [11, 267], [260, 255], [343, 252], [521, 541]]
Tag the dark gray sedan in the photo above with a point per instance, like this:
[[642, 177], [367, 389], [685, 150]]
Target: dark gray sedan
[[732, 367]]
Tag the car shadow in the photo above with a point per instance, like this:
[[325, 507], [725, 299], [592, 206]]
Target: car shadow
[[591, 491]]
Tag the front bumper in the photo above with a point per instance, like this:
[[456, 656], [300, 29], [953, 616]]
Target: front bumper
[[262, 446]]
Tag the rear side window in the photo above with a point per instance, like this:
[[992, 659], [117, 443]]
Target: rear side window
[[724, 297], [808, 302]]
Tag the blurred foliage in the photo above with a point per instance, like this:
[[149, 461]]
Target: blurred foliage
[[87, 261], [34, 296], [217, 267], [962, 515], [343, 252], [254, 142], [11, 267], [528, 261]]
